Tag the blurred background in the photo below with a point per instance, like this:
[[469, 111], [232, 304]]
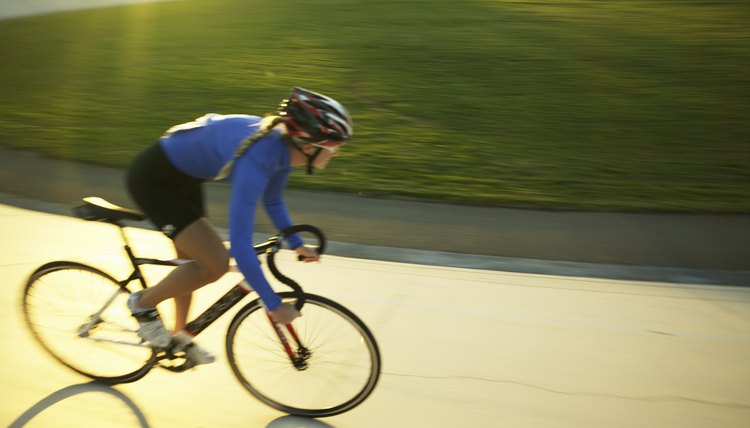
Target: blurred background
[[598, 107], [586, 105]]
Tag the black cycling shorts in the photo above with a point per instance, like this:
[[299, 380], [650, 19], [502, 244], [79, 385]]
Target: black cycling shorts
[[170, 198]]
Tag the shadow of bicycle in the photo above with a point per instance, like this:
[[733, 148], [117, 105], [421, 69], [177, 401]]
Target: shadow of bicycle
[[74, 390], [56, 397]]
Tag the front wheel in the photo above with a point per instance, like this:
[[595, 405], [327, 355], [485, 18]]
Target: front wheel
[[79, 315], [336, 363]]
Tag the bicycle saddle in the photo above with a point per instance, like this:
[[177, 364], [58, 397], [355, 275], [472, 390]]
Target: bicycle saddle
[[97, 209]]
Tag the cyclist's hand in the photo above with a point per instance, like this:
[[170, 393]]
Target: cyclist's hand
[[307, 254], [285, 313]]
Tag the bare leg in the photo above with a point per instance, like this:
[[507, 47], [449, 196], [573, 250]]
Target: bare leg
[[210, 261], [181, 303]]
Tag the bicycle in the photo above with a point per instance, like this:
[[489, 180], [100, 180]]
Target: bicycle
[[323, 364]]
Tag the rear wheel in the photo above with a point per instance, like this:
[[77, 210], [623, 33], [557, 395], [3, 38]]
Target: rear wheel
[[337, 365], [79, 315]]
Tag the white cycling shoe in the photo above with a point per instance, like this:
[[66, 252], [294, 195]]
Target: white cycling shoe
[[184, 342], [151, 327]]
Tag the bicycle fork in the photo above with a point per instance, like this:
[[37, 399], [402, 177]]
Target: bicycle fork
[[299, 358], [302, 355]]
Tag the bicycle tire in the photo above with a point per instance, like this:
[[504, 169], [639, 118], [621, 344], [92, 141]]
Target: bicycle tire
[[60, 298], [328, 330]]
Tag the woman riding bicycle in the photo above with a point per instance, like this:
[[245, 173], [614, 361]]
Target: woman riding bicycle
[[254, 154]]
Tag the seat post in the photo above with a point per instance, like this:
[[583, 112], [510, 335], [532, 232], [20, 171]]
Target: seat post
[[122, 233], [126, 241]]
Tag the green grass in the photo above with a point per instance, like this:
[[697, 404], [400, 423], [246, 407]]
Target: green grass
[[592, 105]]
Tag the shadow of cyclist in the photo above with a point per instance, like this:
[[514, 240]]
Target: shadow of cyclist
[[73, 390], [297, 422]]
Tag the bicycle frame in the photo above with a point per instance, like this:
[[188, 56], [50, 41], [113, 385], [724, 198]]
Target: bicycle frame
[[228, 300]]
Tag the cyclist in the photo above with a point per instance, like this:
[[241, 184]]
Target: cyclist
[[255, 155]]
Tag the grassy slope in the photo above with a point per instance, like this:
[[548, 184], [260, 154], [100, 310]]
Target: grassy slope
[[628, 105]]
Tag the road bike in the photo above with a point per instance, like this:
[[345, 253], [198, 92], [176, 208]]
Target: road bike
[[323, 364]]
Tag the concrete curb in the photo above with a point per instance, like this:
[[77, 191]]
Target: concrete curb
[[472, 261]]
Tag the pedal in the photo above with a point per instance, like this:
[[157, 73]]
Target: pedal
[[170, 355]]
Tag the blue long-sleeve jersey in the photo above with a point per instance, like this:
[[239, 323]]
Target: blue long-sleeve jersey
[[202, 147]]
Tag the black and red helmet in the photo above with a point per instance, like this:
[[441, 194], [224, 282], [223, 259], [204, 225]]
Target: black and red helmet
[[315, 118]]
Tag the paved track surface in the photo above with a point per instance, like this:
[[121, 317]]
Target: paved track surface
[[10, 9], [461, 347]]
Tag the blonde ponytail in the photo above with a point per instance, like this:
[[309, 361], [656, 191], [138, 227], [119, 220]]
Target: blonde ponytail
[[267, 125]]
